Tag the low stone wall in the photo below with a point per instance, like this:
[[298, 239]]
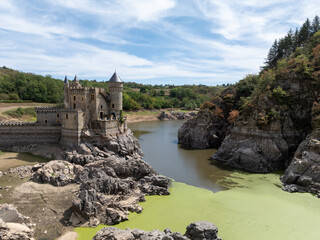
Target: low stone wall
[[22, 133]]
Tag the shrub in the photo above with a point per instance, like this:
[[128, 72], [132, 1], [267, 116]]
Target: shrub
[[280, 95], [233, 115]]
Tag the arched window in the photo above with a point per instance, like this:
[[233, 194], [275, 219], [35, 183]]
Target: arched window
[[74, 106]]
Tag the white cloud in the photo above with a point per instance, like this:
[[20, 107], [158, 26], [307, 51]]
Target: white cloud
[[92, 38]]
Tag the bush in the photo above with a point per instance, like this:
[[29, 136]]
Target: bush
[[280, 95], [233, 115]]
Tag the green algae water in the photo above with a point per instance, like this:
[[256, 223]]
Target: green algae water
[[254, 208]]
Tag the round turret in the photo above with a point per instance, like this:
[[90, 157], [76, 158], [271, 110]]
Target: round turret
[[115, 86]]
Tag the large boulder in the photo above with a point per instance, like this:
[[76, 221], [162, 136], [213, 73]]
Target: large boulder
[[57, 173], [202, 230], [206, 130]]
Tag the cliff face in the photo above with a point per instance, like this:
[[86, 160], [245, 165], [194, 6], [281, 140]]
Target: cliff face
[[266, 139], [206, 130], [303, 173]]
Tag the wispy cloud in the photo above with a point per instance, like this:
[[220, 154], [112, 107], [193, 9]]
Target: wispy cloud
[[154, 41]]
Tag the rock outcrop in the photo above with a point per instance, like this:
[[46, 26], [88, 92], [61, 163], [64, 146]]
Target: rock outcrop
[[271, 127], [13, 225], [195, 231], [122, 145], [303, 174], [206, 130], [56, 173], [176, 115], [111, 186]]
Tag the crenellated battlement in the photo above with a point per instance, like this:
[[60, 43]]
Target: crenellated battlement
[[18, 123], [48, 109]]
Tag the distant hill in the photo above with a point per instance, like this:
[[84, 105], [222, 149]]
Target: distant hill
[[16, 85]]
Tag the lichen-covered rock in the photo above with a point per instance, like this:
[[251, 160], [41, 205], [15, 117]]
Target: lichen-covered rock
[[120, 145], [22, 171], [303, 174], [13, 225], [202, 230], [57, 173], [206, 130], [113, 187], [195, 231]]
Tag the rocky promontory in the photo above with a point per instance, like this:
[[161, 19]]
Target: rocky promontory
[[112, 176], [206, 130], [195, 231]]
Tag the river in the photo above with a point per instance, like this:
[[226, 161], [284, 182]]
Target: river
[[244, 206], [159, 143]]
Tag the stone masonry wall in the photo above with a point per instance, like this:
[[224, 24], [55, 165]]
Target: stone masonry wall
[[21, 133]]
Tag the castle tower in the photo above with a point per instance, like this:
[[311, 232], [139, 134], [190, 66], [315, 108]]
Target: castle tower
[[65, 90], [115, 86]]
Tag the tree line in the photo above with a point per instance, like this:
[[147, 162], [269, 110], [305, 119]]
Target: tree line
[[285, 46], [16, 85]]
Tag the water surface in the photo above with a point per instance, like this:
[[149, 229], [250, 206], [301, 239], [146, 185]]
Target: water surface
[[254, 208], [160, 145]]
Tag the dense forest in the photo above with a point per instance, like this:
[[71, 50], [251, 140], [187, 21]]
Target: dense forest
[[295, 56], [20, 86]]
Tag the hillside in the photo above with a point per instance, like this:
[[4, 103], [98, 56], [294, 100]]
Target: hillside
[[270, 114], [20, 86]]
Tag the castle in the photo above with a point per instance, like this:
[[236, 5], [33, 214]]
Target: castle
[[89, 114]]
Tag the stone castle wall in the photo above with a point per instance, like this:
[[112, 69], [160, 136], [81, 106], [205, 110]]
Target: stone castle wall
[[24, 133]]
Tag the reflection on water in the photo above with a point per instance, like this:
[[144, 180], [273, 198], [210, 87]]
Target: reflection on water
[[160, 145]]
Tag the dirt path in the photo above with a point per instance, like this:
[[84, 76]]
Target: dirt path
[[11, 106]]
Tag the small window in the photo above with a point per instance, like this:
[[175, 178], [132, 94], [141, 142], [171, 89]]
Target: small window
[[82, 98], [74, 106], [67, 116], [112, 105], [46, 121], [101, 106], [74, 97], [58, 115], [92, 97]]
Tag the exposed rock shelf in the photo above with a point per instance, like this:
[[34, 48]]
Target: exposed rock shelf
[[195, 231]]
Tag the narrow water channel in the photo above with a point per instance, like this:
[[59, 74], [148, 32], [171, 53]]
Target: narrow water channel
[[159, 143]]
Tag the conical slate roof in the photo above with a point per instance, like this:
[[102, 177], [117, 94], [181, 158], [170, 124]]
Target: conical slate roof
[[115, 78], [65, 79], [76, 78]]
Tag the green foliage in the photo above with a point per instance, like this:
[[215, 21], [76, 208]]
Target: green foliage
[[280, 95], [27, 86], [287, 45], [19, 112], [273, 115], [121, 119]]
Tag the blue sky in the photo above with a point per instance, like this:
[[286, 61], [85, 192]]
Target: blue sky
[[148, 41]]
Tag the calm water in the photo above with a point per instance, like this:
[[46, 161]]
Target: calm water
[[159, 143]]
